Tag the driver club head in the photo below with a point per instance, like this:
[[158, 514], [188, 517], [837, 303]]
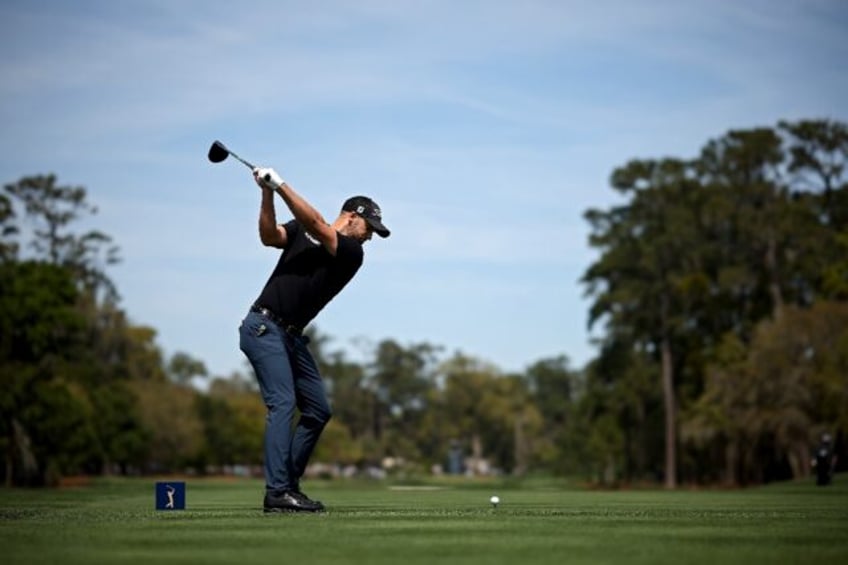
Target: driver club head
[[218, 152]]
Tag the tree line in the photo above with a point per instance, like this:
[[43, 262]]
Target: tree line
[[724, 278], [720, 284]]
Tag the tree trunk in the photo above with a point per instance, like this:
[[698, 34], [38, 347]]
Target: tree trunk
[[476, 463], [795, 464], [28, 471], [670, 416], [774, 281], [799, 459], [10, 466], [731, 463], [376, 420], [519, 449]]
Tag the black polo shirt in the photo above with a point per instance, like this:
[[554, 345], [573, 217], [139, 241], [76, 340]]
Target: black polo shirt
[[307, 277]]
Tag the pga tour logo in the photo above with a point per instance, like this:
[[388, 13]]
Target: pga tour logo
[[170, 496]]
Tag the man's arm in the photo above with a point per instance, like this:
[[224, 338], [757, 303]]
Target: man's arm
[[270, 233], [308, 217]]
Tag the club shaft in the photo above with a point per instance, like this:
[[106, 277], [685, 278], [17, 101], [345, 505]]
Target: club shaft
[[246, 164], [249, 165]]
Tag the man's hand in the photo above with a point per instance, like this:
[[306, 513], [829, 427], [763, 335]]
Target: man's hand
[[267, 178]]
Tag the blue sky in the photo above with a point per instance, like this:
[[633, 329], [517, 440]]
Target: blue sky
[[484, 129]]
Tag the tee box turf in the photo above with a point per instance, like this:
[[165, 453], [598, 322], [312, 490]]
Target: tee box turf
[[170, 496]]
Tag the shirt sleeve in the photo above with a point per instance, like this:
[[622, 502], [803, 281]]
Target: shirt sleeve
[[349, 251], [291, 227]]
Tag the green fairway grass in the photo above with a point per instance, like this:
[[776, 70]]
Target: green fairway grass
[[113, 521]]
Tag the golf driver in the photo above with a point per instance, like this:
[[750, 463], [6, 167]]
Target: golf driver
[[218, 152]]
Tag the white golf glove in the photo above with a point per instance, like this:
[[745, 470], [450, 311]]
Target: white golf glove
[[268, 178]]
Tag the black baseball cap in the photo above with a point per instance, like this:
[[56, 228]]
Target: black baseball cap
[[369, 210]]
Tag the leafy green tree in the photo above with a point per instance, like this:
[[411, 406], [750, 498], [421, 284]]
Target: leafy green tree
[[143, 357], [704, 251], [745, 165], [168, 415], [818, 154], [648, 280], [116, 421], [338, 446], [766, 405], [182, 368], [555, 390], [490, 415], [8, 230], [221, 441], [399, 379], [58, 422], [52, 209], [40, 330], [64, 343], [619, 417], [352, 406], [785, 233], [818, 177], [232, 416]]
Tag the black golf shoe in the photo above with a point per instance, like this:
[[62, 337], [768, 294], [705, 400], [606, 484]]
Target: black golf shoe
[[290, 501], [302, 495]]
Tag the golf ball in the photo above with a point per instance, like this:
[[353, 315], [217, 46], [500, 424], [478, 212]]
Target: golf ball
[[495, 499]]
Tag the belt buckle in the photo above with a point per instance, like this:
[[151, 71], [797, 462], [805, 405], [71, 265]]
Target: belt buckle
[[288, 328]]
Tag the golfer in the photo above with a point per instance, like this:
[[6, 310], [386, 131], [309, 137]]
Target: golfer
[[317, 260]]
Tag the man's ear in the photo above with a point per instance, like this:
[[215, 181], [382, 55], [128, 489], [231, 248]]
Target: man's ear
[[347, 218]]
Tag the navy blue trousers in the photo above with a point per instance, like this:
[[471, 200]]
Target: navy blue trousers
[[288, 378]]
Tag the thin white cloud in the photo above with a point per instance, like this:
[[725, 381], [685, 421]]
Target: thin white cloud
[[484, 129]]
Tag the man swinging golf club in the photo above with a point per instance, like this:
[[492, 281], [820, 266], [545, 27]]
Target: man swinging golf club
[[317, 260]]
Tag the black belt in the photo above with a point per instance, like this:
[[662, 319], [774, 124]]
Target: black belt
[[290, 329]]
